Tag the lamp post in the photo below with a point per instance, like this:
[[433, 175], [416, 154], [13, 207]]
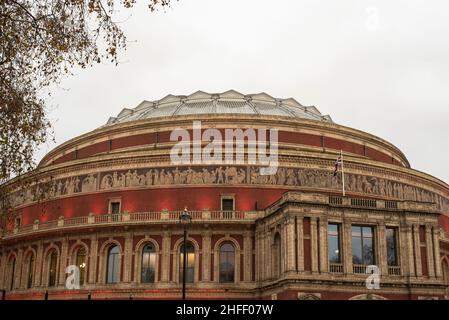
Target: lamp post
[[185, 219]]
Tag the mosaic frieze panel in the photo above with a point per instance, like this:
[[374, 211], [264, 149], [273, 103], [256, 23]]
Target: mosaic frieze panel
[[226, 175]]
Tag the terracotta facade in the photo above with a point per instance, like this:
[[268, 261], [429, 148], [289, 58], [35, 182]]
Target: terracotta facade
[[116, 187]]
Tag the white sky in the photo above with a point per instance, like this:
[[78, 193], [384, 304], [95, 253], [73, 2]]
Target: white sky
[[378, 66]]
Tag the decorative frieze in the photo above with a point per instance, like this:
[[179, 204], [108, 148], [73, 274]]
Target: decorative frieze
[[225, 175]]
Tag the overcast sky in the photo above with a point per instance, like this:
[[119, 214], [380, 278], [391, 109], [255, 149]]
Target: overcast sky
[[378, 66]]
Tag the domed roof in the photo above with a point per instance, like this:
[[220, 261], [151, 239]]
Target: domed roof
[[229, 102]]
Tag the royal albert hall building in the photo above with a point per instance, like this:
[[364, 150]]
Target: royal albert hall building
[[109, 203]]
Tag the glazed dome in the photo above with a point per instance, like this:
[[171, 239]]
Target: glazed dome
[[229, 102]]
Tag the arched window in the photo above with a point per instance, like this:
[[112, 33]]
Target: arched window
[[12, 272], [446, 271], [190, 265], [81, 263], [30, 270], [227, 263], [113, 268], [52, 268], [148, 264], [277, 255]]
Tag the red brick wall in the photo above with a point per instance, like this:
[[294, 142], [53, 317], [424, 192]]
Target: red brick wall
[[346, 146], [377, 155], [283, 136], [443, 221], [96, 148]]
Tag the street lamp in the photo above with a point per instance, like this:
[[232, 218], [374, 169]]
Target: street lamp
[[185, 219]]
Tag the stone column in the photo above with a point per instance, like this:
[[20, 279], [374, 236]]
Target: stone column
[[347, 247], [268, 250], [165, 263], [430, 251], [408, 255], [290, 245], [284, 245], [314, 242], [93, 259], [436, 251], [127, 255], [247, 256], [324, 268], [417, 250], [382, 249], [258, 254], [261, 256], [18, 271], [63, 261], [300, 243], [262, 262], [206, 255], [39, 264]]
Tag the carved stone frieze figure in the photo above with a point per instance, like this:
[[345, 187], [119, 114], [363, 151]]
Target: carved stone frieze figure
[[231, 175]]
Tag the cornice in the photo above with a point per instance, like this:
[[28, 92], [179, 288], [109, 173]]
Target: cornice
[[159, 124]]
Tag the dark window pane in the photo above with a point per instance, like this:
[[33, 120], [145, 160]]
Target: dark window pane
[[367, 232], [334, 243], [52, 269], [148, 264], [81, 263], [368, 254], [227, 263], [227, 204], [392, 255], [12, 267], [362, 245], [115, 207], [113, 270], [190, 263], [357, 250], [30, 271]]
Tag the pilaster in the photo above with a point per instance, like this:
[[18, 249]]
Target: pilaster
[[63, 261], [93, 259]]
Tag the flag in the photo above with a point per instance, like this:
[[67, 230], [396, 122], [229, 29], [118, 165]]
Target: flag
[[337, 164]]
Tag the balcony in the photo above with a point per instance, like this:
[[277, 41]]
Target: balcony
[[133, 218], [359, 268], [336, 268], [394, 270]]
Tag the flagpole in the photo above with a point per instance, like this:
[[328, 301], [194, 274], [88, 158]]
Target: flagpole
[[342, 172]]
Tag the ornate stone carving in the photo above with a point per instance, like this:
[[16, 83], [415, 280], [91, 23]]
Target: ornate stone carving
[[228, 175]]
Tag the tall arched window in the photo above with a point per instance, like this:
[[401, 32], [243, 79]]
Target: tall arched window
[[227, 263], [81, 263], [446, 271], [52, 268], [30, 270], [12, 272], [148, 264], [277, 255], [113, 268], [190, 266]]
